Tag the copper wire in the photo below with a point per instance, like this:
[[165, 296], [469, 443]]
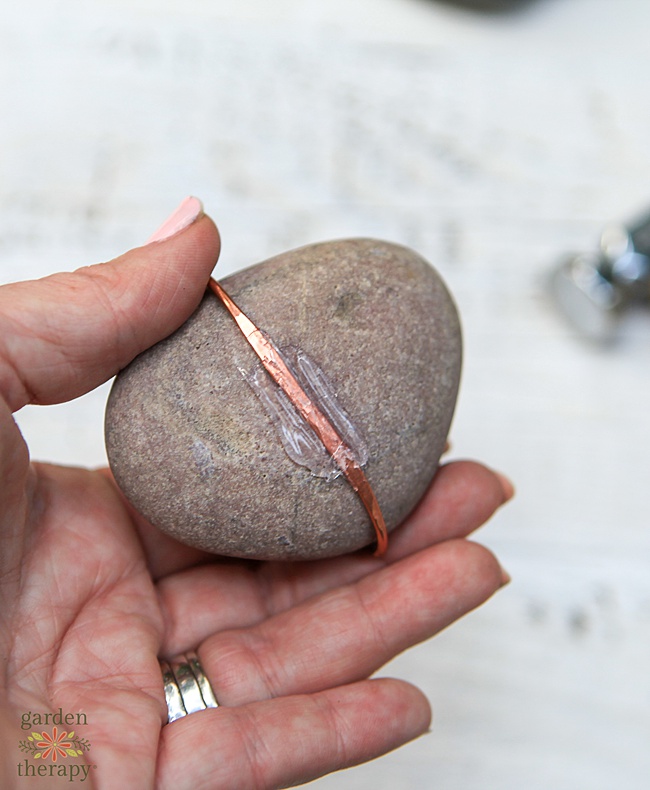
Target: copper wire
[[335, 446]]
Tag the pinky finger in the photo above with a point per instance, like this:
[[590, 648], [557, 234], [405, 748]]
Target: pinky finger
[[288, 741]]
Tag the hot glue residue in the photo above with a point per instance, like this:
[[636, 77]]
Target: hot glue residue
[[298, 438]]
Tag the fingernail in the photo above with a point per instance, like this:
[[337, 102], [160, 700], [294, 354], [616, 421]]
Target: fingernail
[[507, 486], [506, 578], [187, 213]]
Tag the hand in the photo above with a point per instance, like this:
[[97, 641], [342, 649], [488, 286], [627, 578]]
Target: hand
[[91, 595]]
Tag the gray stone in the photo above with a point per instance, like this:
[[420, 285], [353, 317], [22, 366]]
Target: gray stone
[[195, 451]]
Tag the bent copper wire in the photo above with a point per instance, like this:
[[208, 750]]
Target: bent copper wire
[[335, 446]]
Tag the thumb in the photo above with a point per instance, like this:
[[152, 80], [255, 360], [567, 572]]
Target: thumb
[[65, 334]]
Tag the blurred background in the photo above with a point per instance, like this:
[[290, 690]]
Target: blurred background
[[492, 137]]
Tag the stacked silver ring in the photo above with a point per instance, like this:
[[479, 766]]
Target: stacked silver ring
[[187, 689]]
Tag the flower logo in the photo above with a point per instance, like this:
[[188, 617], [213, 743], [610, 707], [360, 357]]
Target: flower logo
[[42, 745], [54, 745]]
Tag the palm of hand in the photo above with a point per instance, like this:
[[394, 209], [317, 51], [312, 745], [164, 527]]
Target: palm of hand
[[86, 625], [90, 620]]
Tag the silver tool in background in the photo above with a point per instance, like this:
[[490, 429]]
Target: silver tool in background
[[593, 289]]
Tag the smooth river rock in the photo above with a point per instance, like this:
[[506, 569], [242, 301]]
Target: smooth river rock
[[193, 447]]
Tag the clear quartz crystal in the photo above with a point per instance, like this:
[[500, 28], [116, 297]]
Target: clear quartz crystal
[[298, 438]]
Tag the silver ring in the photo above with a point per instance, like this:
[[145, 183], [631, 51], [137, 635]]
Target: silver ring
[[187, 689]]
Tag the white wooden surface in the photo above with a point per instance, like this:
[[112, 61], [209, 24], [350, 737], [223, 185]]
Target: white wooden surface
[[491, 144]]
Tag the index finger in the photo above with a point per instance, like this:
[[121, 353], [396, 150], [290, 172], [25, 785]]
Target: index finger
[[249, 592]]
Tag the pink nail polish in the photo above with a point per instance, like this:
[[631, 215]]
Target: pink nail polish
[[187, 213], [508, 487]]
